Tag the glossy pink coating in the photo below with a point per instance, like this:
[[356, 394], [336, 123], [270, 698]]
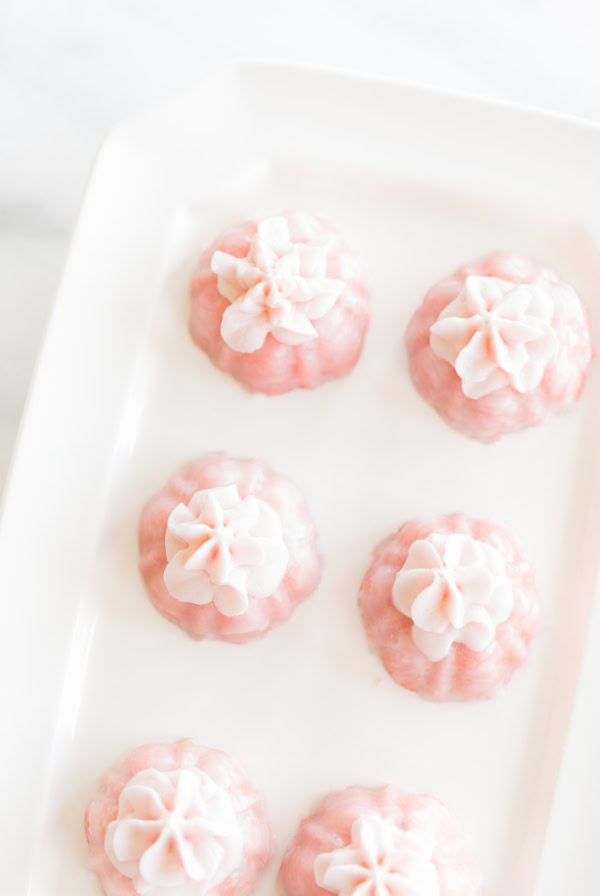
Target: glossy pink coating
[[329, 828], [464, 674], [277, 368], [252, 477], [226, 771], [504, 410]]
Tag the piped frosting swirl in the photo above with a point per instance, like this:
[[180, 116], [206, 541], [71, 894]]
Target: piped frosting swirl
[[381, 860], [454, 588], [497, 333], [225, 549], [176, 833], [279, 287]]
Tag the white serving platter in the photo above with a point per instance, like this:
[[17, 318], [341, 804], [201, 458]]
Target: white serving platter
[[419, 181]]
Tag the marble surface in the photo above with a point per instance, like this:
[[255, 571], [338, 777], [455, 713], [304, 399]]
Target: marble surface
[[70, 69]]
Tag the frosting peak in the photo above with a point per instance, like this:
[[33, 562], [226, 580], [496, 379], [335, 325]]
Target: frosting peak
[[454, 588], [497, 333], [279, 287], [224, 549], [381, 860], [175, 832]]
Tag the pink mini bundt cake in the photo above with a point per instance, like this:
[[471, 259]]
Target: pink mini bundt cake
[[450, 605], [178, 820], [280, 303], [228, 548], [499, 345], [380, 841]]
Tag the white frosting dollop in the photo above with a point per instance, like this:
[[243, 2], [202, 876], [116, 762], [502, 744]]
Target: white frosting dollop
[[223, 548], [454, 588], [382, 860], [176, 833], [496, 333], [279, 287]]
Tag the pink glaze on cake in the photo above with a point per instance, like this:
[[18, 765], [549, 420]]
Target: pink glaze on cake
[[299, 573], [463, 673], [332, 828], [505, 409], [302, 360], [255, 842]]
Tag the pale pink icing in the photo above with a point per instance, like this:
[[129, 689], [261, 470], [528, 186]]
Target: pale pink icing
[[279, 287], [227, 774], [276, 367], [504, 409], [497, 333], [331, 827], [382, 859], [455, 589], [176, 832], [464, 674], [222, 548]]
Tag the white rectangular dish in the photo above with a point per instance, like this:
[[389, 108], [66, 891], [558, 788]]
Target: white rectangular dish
[[419, 182]]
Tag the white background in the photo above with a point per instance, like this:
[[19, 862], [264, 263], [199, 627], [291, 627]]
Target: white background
[[86, 654], [69, 69]]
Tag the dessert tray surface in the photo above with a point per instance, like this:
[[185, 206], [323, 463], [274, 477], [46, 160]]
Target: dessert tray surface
[[418, 182]]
